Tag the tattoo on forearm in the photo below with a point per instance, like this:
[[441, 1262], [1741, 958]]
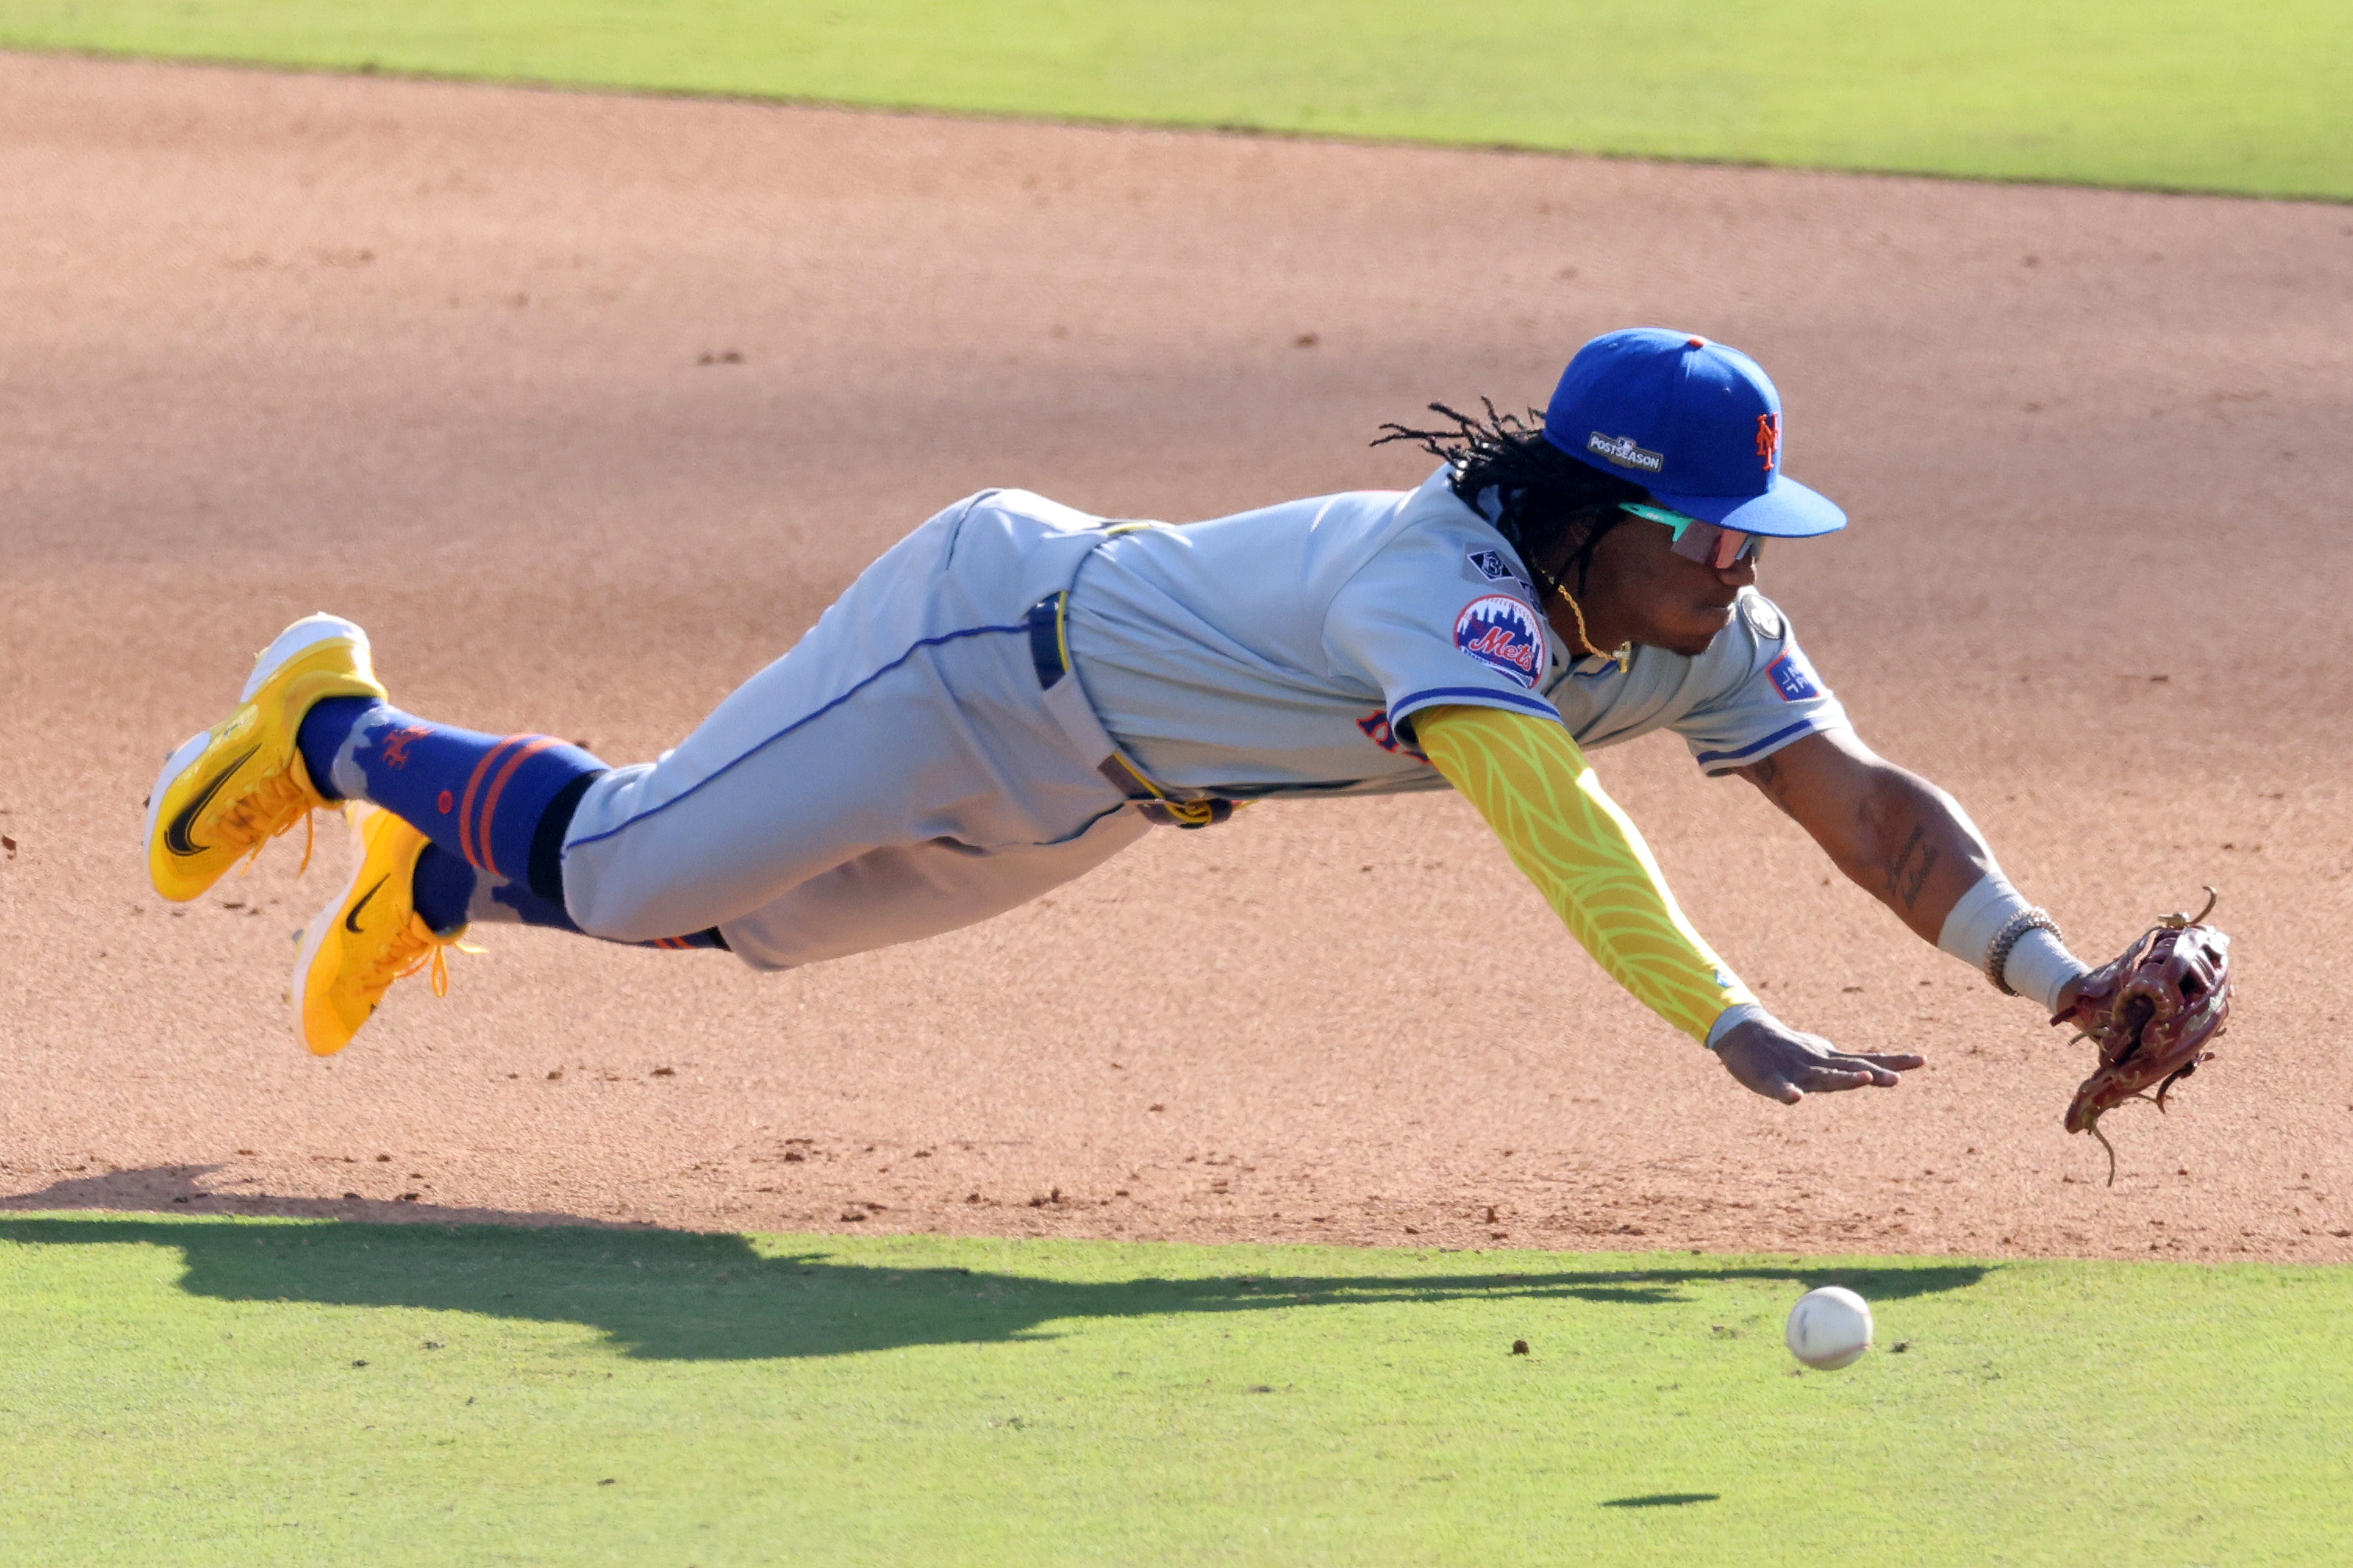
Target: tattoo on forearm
[[1920, 878], [1766, 776], [1907, 890]]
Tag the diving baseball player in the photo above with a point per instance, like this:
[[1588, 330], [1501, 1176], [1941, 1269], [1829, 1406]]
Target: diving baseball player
[[1016, 690]]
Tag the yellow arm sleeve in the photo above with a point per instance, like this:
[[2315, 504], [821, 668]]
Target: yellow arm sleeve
[[1528, 779]]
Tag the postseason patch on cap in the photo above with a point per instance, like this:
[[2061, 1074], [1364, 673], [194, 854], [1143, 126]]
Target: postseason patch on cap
[[1502, 633], [1622, 451]]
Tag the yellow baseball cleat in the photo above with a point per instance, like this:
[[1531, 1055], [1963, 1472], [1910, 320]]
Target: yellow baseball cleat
[[239, 784], [368, 937]]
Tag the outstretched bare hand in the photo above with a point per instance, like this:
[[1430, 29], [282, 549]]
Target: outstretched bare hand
[[1783, 1064]]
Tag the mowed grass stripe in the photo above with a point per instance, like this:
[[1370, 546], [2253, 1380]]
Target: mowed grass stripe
[[193, 1392], [2180, 94]]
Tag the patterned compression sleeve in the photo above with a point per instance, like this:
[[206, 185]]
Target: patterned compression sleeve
[[1528, 779]]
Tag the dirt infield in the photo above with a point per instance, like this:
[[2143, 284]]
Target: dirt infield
[[587, 405]]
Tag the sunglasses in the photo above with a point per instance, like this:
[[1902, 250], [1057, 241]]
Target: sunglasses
[[1705, 542]]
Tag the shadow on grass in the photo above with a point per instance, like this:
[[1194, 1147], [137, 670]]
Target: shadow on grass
[[678, 1295]]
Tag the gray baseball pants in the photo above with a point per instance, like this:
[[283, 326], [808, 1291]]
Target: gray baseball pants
[[898, 774]]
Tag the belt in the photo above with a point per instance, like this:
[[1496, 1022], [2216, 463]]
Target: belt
[[1050, 655]]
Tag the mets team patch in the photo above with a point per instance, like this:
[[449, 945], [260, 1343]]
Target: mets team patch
[[1502, 633], [1791, 678]]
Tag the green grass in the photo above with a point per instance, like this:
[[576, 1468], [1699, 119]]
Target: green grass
[[2192, 94], [251, 1392]]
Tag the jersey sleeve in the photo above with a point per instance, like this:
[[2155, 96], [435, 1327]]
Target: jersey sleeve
[[1768, 694], [1439, 616], [1585, 854]]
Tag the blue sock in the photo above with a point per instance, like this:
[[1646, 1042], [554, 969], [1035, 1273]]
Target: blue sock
[[443, 889], [513, 901], [324, 730], [502, 803], [449, 894]]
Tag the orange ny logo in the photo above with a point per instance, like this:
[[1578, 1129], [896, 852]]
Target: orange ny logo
[[395, 745], [1768, 439]]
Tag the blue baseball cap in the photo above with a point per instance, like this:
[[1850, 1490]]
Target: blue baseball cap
[[1696, 424]]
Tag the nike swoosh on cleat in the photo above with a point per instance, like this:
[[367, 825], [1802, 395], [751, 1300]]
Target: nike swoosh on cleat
[[352, 921], [176, 838]]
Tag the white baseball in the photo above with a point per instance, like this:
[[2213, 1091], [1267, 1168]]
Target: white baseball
[[1829, 1328]]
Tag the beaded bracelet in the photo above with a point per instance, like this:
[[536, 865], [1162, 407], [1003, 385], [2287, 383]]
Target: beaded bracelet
[[2017, 926]]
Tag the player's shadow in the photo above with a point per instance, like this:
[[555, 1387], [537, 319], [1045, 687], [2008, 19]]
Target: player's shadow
[[676, 1295]]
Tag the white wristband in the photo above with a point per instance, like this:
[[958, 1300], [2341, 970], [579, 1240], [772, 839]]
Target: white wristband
[[2039, 964], [1982, 913]]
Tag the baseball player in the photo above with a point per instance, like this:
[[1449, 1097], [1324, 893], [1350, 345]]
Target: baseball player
[[1016, 690]]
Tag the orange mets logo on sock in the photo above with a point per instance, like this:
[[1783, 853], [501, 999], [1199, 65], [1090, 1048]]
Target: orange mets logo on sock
[[1768, 439], [395, 744]]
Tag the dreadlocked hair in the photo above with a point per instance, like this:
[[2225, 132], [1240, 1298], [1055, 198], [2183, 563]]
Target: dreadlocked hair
[[1552, 508]]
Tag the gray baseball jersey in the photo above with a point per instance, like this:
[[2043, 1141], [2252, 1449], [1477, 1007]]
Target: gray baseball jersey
[[912, 766], [1284, 651]]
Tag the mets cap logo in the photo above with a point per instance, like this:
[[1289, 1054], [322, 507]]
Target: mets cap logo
[[1502, 633]]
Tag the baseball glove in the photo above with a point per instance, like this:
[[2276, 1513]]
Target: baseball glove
[[2150, 1011]]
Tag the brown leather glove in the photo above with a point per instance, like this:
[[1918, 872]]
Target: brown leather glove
[[2152, 1011]]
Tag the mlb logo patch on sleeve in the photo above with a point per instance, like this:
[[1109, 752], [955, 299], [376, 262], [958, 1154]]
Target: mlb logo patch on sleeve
[[1502, 632], [1486, 566], [1791, 678]]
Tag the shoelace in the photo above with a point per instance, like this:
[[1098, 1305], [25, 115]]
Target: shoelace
[[413, 949], [264, 811]]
